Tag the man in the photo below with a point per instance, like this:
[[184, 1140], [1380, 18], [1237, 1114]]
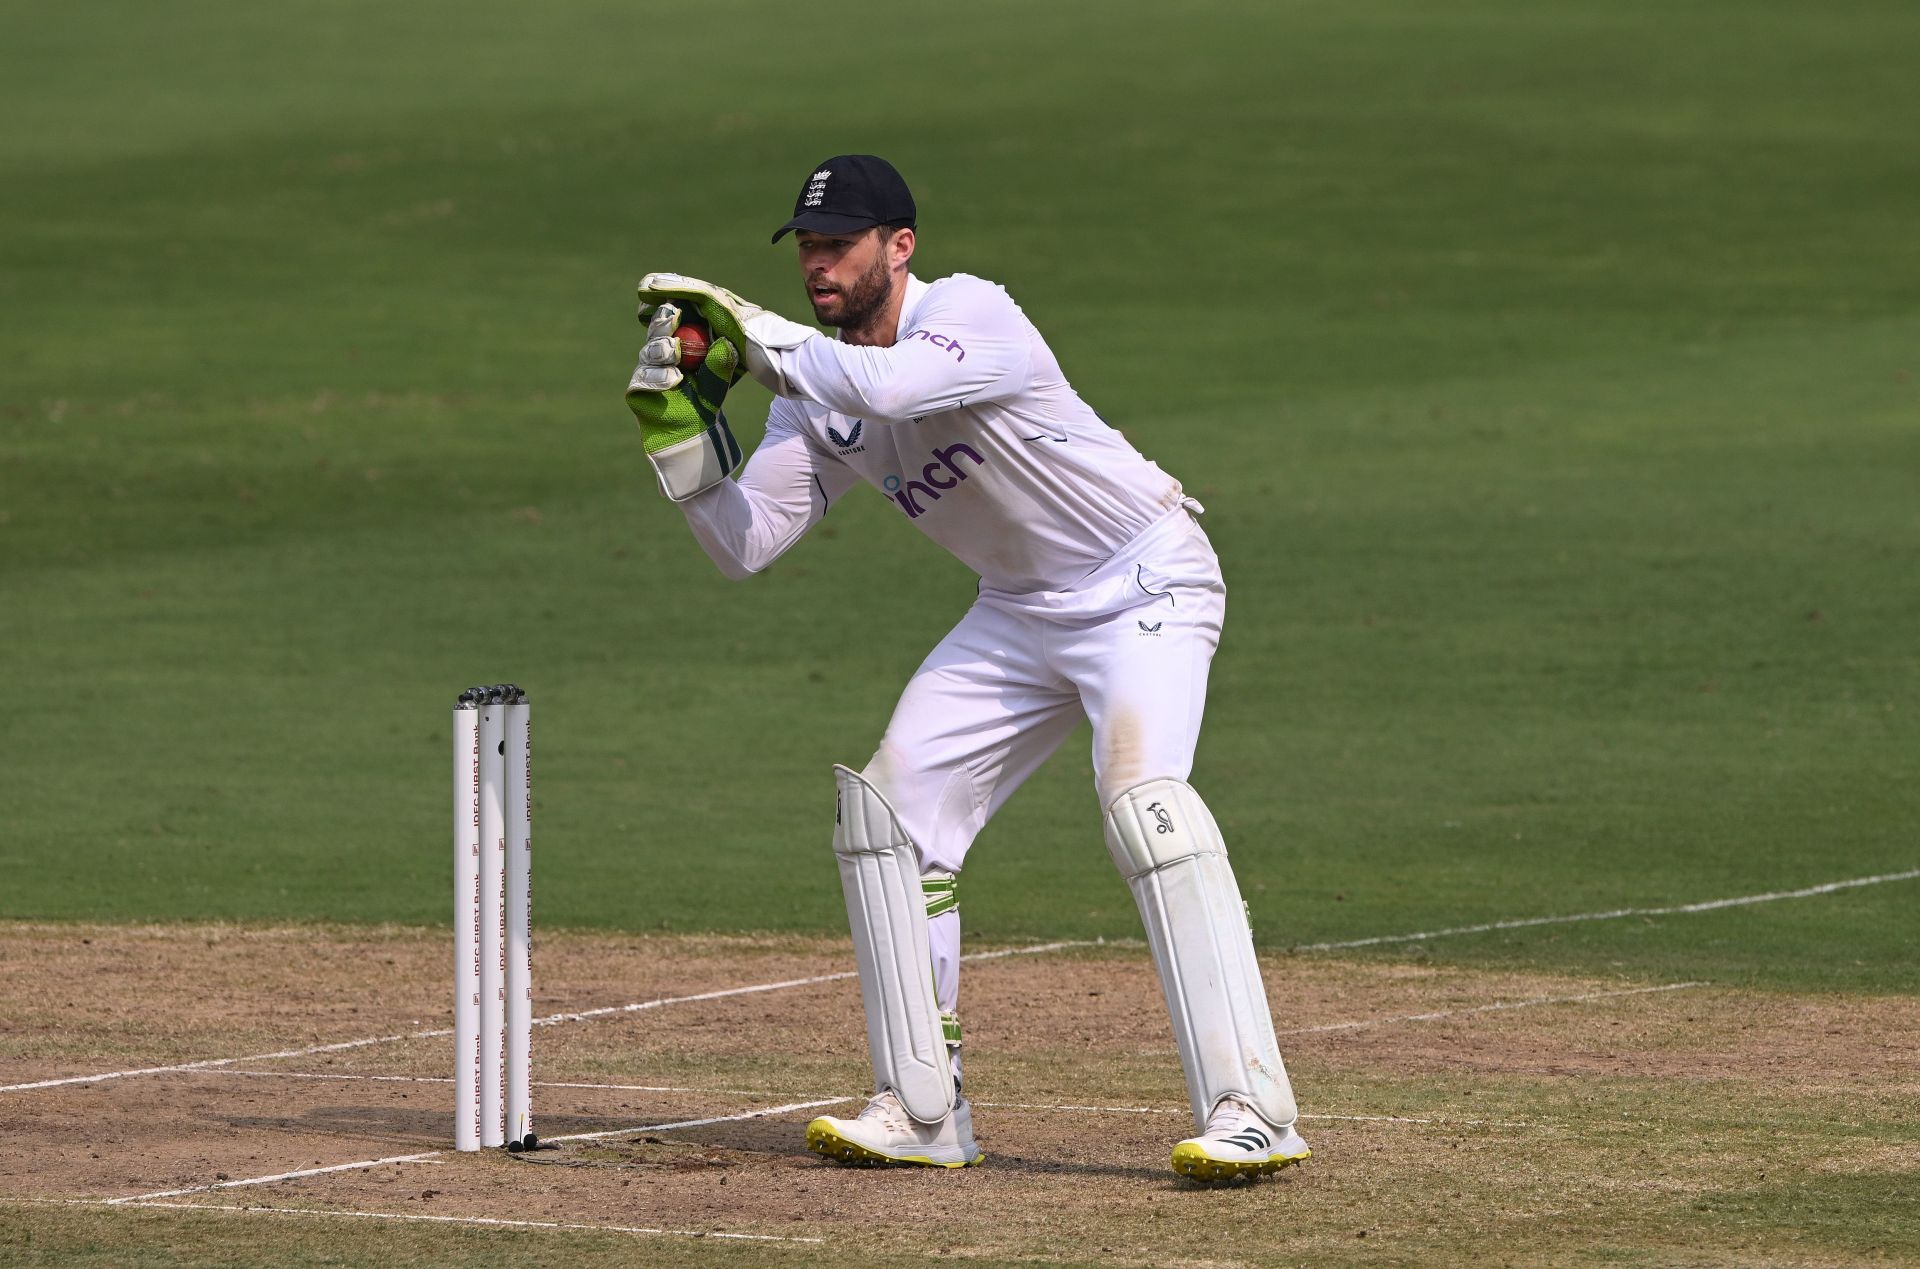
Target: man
[[1099, 598]]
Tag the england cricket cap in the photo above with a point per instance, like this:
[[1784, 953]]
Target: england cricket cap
[[849, 192]]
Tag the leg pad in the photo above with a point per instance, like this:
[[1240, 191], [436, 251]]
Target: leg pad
[[887, 912], [1166, 844]]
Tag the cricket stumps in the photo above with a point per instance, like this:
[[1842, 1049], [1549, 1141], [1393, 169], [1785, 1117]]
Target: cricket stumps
[[492, 919]]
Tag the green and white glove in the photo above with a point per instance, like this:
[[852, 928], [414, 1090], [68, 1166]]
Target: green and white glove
[[757, 333], [682, 430]]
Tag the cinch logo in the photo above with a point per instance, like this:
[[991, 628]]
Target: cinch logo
[[931, 481], [938, 341], [850, 443]]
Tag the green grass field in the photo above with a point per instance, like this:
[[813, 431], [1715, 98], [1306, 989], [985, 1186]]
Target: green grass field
[[1547, 372]]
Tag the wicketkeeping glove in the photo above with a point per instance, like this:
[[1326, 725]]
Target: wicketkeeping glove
[[682, 430], [754, 331]]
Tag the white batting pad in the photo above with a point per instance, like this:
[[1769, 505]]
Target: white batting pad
[[1164, 841], [880, 874]]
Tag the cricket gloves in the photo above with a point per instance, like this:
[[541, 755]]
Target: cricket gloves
[[758, 334], [685, 435]]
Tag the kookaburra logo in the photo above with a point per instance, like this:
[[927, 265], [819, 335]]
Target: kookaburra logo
[[850, 443], [1160, 813]]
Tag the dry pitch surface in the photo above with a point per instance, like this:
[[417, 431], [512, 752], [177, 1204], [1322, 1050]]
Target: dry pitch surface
[[1517, 1118]]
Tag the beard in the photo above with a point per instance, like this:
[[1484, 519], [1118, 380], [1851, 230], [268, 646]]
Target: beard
[[857, 306]]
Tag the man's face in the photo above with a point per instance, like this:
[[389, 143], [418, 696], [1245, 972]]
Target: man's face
[[847, 275]]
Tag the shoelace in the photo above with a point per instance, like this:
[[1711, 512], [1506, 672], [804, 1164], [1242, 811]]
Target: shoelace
[[886, 1110], [1231, 1115]]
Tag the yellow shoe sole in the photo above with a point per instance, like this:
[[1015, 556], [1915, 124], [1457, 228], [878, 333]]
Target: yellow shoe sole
[[824, 1141], [1191, 1161]]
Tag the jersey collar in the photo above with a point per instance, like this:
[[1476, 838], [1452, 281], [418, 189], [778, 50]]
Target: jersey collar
[[916, 292]]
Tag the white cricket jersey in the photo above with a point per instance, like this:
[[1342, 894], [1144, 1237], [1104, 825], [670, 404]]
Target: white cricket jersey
[[966, 424]]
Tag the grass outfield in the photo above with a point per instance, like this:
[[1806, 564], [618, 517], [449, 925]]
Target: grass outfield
[[1548, 373]]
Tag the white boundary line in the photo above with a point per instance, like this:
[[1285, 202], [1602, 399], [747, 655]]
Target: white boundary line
[[425, 1156], [424, 1218], [1709, 905], [550, 1020]]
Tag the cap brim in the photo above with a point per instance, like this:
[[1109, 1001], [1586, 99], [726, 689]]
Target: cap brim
[[825, 223]]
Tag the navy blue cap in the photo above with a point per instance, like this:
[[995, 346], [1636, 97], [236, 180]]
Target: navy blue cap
[[849, 192]]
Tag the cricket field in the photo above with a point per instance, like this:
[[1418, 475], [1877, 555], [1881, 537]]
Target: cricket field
[[1550, 373]]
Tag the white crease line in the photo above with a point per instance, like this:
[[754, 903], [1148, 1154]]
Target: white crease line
[[1381, 1022], [279, 1176], [331, 1075], [760, 1092], [443, 1079], [434, 1155], [611, 1010], [1098, 1110], [1494, 1008], [697, 1123], [1182, 1110], [781, 986], [1035, 950], [1445, 1123], [1709, 905], [445, 1220], [653, 1088], [210, 1063]]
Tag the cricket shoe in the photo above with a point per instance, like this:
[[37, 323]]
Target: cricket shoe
[[884, 1133], [1238, 1143]]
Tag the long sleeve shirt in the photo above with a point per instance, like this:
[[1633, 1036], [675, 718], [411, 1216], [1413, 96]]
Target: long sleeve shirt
[[967, 424]]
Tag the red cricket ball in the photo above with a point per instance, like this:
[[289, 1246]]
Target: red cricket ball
[[694, 342]]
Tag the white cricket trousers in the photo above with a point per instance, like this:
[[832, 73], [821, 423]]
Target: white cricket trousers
[[1128, 649]]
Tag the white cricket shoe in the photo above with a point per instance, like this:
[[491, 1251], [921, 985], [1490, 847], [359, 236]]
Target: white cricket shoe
[[884, 1133], [1238, 1143]]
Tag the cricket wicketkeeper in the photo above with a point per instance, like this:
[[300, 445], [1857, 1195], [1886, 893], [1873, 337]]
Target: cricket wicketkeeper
[[1100, 597]]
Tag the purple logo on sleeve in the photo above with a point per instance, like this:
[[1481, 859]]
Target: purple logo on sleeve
[[938, 341]]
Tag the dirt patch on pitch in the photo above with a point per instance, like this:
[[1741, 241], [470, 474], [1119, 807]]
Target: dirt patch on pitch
[[1436, 1099]]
